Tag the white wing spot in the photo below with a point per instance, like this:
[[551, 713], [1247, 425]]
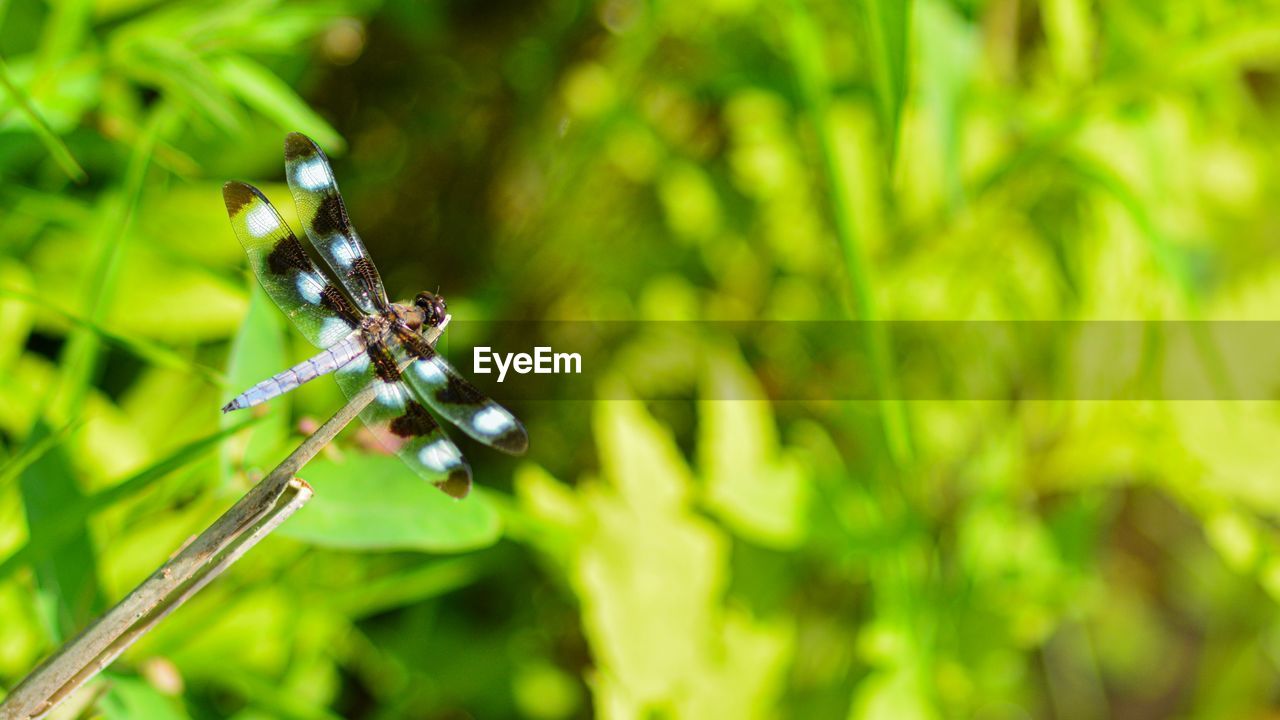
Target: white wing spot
[[342, 251], [440, 455], [312, 175], [358, 364], [389, 395], [262, 220], [309, 289], [429, 372], [492, 421]]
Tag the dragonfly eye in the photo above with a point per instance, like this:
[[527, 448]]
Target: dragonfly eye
[[434, 306]]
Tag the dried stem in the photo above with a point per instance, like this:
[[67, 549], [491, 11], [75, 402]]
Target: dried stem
[[260, 511]]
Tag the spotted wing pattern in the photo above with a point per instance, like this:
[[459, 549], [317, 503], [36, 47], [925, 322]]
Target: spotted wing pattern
[[324, 217], [315, 306], [401, 424], [434, 381]]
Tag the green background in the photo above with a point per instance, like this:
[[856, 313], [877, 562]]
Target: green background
[[667, 160]]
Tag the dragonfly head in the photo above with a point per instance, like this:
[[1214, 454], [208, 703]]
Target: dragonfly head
[[434, 308]]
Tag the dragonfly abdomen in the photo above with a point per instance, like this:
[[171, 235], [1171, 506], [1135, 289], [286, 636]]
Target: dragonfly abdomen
[[323, 363]]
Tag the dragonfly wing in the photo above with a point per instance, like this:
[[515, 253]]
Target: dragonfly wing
[[401, 424], [315, 306], [324, 217], [442, 388]]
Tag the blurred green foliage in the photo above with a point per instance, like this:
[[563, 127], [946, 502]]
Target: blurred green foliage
[[628, 160]]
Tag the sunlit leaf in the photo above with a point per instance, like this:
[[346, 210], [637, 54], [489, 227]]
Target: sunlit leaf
[[758, 491], [640, 458], [1069, 29], [16, 315], [650, 575]]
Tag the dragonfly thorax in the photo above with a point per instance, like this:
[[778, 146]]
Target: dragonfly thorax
[[427, 311], [366, 343]]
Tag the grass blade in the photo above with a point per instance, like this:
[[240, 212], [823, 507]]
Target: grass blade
[[47, 136], [140, 348], [67, 570], [60, 527], [887, 26], [33, 452], [80, 355], [271, 96], [805, 44]]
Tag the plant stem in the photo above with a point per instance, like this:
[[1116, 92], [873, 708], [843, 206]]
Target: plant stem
[[261, 510], [806, 51]]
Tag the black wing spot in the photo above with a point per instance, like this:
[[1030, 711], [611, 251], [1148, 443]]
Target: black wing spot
[[414, 343], [236, 195], [333, 300], [415, 422], [514, 441], [330, 217], [363, 269], [459, 392], [298, 146], [383, 363], [288, 256], [458, 484]]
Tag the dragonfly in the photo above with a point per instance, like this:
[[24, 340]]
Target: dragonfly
[[341, 307]]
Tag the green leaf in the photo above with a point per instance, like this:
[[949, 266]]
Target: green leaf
[[130, 698], [641, 457], [758, 492], [257, 353], [271, 96], [404, 587], [375, 502], [67, 571], [893, 693], [72, 514], [32, 452], [16, 317]]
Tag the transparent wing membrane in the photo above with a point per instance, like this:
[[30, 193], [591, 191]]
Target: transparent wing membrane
[[324, 218], [404, 427], [315, 306]]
